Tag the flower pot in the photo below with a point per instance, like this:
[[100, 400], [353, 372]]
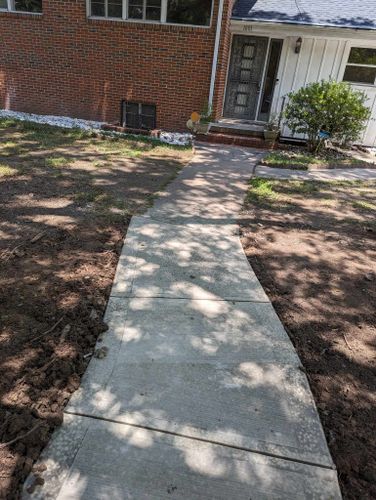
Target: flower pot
[[202, 128], [271, 135]]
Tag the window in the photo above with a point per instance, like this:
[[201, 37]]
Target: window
[[194, 12], [21, 5], [361, 67], [150, 10], [107, 8], [197, 12], [139, 116]]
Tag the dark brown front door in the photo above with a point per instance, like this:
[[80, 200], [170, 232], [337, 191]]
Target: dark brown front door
[[244, 83]]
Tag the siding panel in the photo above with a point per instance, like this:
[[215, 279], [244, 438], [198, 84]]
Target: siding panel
[[320, 58]]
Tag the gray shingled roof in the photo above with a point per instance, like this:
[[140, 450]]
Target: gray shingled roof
[[359, 14]]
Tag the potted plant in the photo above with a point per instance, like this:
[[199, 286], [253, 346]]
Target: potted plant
[[206, 117], [272, 130]]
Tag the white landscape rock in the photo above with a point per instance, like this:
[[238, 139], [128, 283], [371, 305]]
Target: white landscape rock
[[176, 138], [57, 121], [173, 138]]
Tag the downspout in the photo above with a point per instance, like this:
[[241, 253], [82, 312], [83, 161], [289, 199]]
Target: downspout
[[216, 52]]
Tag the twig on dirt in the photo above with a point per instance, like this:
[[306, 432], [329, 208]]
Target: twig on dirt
[[6, 255], [22, 436], [48, 331], [38, 237], [44, 367], [347, 342]]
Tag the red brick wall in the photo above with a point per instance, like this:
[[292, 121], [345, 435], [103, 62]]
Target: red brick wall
[[64, 64]]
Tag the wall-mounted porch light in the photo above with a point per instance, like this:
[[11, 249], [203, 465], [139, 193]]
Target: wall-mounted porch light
[[298, 45]]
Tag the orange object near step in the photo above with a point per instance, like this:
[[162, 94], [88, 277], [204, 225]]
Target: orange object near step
[[195, 117]]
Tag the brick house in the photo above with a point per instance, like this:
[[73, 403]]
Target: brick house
[[155, 61]]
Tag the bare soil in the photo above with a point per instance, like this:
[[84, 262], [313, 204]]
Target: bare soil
[[65, 200], [313, 247], [298, 158]]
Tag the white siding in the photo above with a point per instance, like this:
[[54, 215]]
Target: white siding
[[323, 55], [319, 58]]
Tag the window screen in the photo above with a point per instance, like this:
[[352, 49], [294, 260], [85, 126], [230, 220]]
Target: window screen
[[150, 10], [362, 56], [361, 67], [139, 116], [115, 8], [107, 8], [196, 12], [135, 9], [28, 5]]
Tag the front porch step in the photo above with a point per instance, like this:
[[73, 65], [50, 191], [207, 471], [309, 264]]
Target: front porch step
[[236, 140], [237, 128]]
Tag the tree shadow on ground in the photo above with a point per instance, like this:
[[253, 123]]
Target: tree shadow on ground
[[61, 232], [317, 265]]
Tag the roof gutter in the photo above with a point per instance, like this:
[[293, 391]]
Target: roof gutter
[[293, 22], [216, 52]]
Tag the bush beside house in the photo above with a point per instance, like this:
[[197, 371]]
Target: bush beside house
[[327, 109]]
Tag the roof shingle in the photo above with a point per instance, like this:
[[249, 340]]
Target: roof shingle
[[359, 14]]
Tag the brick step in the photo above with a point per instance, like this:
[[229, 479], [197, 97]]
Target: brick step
[[236, 140], [243, 130]]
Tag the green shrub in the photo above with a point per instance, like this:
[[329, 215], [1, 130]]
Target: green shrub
[[333, 107]]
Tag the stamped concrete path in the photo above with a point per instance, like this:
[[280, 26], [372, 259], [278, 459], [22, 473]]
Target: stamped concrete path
[[201, 395]]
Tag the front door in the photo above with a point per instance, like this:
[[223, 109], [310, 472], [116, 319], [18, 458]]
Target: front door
[[245, 76]]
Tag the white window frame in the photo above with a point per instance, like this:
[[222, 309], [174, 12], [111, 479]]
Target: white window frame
[[12, 8], [106, 16], [125, 12], [346, 63], [163, 19], [144, 5]]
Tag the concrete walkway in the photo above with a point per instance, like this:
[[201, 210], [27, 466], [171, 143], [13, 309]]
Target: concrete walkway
[[201, 395], [339, 174]]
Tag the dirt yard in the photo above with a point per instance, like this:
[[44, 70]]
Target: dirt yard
[[313, 247], [65, 201], [298, 158]]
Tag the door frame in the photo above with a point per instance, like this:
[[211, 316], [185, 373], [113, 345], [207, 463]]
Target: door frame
[[257, 35]]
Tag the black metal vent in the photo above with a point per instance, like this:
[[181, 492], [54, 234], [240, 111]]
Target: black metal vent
[[138, 115]]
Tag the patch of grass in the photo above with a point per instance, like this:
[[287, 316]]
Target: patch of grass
[[302, 160], [285, 160], [10, 148], [270, 191], [136, 146], [299, 187], [127, 150], [57, 162], [353, 200], [47, 136], [7, 171], [364, 205], [8, 123], [101, 201], [130, 148], [43, 137], [328, 202], [99, 164], [262, 192]]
